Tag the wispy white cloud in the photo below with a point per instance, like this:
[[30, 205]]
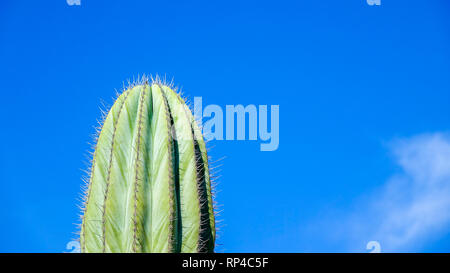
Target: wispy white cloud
[[410, 209], [414, 204]]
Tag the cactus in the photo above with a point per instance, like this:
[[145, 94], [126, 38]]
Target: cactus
[[149, 187]]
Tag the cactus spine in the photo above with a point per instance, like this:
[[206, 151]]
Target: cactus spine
[[149, 188]]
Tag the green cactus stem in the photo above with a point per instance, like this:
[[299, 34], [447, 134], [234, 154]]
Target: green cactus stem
[[149, 186]]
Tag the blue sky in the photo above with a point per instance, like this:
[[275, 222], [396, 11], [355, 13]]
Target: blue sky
[[363, 91]]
